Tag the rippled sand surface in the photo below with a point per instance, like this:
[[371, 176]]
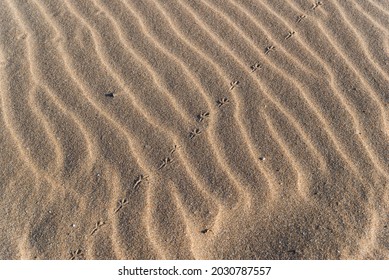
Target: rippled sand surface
[[212, 129]]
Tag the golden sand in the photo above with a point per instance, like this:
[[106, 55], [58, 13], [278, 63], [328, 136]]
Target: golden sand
[[212, 129]]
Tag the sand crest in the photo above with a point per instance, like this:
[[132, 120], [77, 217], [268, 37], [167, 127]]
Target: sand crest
[[230, 129]]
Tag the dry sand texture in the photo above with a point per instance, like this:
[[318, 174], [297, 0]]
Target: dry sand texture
[[212, 129]]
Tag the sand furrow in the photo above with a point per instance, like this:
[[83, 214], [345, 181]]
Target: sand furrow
[[372, 49], [84, 89], [200, 240], [106, 61], [349, 162], [109, 118], [165, 51], [28, 126], [170, 228], [231, 129], [49, 131], [74, 120], [117, 203], [369, 49], [313, 55], [153, 235], [219, 158], [190, 171], [374, 14], [15, 138], [188, 167], [377, 158], [176, 141], [301, 175], [46, 164], [346, 100], [381, 3], [186, 159], [342, 44], [74, 159], [285, 74], [332, 136], [8, 120], [42, 90], [252, 153], [228, 14], [263, 16], [139, 59], [37, 92]]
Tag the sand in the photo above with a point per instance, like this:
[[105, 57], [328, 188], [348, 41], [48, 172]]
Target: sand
[[212, 129]]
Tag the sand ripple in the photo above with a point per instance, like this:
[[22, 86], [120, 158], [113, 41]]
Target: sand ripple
[[194, 129]]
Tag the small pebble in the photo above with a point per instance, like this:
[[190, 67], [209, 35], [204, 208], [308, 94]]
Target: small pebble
[[109, 94], [262, 158]]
